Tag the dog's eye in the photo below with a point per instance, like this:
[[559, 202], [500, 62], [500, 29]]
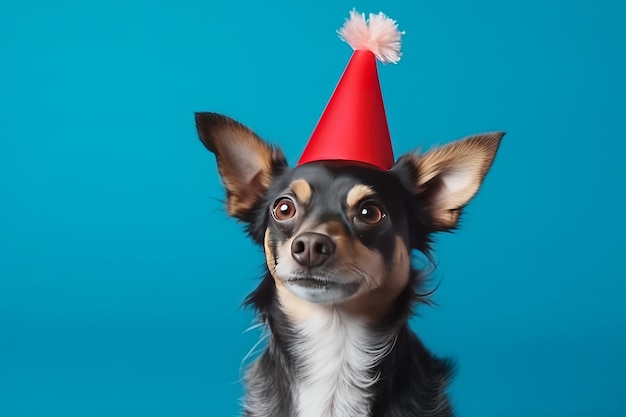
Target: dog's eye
[[370, 213], [284, 209]]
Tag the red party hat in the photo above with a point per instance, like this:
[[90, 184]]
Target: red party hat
[[353, 127]]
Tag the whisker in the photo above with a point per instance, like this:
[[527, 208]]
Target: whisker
[[367, 277], [253, 350], [254, 326]]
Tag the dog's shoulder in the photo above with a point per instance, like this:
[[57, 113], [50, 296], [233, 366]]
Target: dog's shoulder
[[413, 381]]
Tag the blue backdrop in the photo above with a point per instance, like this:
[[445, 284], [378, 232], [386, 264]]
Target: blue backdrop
[[121, 276]]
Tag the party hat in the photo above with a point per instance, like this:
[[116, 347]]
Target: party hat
[[353, 126]]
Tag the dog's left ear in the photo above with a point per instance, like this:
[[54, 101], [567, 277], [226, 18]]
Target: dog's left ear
[[445, 179], [246, 163]]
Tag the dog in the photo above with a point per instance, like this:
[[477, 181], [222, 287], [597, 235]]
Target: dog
[[340, 285]]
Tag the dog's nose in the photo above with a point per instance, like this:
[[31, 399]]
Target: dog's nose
[[312, 249]]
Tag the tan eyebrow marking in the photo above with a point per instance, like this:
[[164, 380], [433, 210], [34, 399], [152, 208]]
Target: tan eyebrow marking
[[302, 190], [357, 194]]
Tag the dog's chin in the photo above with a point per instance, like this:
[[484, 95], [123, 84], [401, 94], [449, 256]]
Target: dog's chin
[[320, 289]]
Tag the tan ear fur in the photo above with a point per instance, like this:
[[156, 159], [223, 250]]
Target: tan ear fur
[[245, 162], [451, 175]]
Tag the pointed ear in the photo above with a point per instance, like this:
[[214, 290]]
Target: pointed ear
[[245, 162], [445, 179]]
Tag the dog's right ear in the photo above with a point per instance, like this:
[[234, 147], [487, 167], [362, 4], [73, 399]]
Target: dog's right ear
[[246, 163]]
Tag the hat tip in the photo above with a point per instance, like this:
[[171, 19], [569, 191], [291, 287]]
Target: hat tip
[[378, 34]]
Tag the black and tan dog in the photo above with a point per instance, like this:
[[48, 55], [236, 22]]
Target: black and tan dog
[[340, 286]]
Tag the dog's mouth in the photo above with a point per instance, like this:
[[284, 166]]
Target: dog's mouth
[[320, 284], [321, 290]]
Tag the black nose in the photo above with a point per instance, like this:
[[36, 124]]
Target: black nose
[[312, 249]]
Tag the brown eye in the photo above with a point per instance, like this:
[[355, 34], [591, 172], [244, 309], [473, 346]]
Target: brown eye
[[370, 213], [284, 209]]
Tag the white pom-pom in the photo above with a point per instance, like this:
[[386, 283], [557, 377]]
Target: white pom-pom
[[379, 34]]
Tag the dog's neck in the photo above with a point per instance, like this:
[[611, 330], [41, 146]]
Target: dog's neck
[[324, 362], [335, 357]]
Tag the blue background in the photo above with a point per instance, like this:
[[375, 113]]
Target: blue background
[[121, 276]]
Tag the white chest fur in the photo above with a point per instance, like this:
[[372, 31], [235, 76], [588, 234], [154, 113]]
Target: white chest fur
[[336, 356]]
